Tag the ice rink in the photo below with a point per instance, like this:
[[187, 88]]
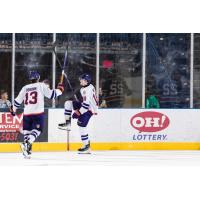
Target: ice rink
[[108, 158]]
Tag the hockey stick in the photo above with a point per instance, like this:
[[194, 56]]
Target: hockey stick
[[70, 86], [63, 75], [61, 66], [54, 50]]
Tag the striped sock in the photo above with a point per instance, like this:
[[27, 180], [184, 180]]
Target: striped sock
[[26, 135], [84, 135], [33, 135]]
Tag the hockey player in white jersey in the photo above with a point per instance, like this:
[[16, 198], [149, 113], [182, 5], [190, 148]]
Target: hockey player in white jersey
[[33, 97], [83, 111]]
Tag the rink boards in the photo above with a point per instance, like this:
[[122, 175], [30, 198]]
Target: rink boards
[[124, 129]]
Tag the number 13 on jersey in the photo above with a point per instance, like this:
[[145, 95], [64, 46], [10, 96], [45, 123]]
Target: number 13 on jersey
[[31, 98]]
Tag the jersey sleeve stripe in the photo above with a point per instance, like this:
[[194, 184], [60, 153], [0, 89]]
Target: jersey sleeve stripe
[[16, 103], [55, 95], [84, 107], [85, 104], [52, 95]]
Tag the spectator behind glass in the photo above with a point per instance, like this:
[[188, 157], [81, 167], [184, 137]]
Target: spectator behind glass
[[152, 102], [102, 101], [4, 102], [115, 89]]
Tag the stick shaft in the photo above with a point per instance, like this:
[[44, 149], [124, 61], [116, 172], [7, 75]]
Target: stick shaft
[[64, 75]]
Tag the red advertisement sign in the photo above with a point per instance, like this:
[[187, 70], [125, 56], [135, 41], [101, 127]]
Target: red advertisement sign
[[150, 121], [10, 127]]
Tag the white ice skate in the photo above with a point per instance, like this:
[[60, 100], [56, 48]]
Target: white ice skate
[[65, 126], [25, 150]]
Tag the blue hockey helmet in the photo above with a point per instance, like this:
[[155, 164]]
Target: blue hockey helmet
[[34, 75], [86, 77]]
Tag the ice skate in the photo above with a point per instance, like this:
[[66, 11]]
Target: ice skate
[[26, 148], [65, 126], [85, 149], [29, 150]]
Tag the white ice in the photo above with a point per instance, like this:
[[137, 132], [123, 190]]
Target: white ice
[[113, 158]]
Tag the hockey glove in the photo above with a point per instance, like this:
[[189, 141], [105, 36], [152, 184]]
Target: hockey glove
[[76, 114], [12, 111], [60, 87]]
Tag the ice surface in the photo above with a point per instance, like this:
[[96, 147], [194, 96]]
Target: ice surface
[[113, 158]]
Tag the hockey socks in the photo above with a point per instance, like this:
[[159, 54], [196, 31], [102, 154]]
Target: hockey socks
[[31, 135], [84, 135]]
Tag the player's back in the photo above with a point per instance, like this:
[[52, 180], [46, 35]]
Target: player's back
[[33, 97]]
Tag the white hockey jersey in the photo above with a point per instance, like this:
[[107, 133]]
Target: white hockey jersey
[[33, 97], [90, 101]]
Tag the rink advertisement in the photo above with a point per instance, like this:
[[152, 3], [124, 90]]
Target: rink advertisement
[[148, 123], [132, 126], [11, 128]]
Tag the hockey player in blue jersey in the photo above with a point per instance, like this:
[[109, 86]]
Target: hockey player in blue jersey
[[32, 95], [83, 111]]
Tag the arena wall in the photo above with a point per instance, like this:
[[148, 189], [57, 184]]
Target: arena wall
[[124, 129]]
